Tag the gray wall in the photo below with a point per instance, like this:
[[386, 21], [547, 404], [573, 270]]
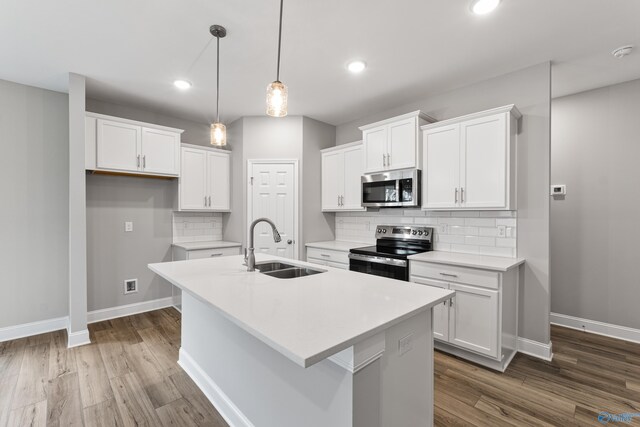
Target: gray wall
[[314, 224], [34, 184], [112, 254], [595, 229], [530, 90], [194, 132], [259, 137]]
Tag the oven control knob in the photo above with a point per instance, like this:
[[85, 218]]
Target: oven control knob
[[420, 233], [384, 230], [379, 230], [414, 232]]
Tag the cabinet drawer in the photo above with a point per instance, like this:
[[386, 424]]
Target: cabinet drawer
[[212, 253], [328, 255], [449, 273]]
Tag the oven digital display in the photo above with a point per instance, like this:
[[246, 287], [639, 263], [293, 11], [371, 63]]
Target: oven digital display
[[405, 231]]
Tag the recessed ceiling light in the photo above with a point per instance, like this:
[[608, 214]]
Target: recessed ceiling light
[[356, 66], [482, 7], [182, 84], [623, 51]]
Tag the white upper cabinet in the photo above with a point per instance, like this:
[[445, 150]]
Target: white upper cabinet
[[394, 143], [204, 179], [193, 179], [118, 146], [470, 161], [160, 151], [126, 146], [342, 169]]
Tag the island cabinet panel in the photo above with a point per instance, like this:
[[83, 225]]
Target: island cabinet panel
[[117, 145], [470, 161], [342, 168], [204, 179], [394, 143], [332, 258], [480, 322]]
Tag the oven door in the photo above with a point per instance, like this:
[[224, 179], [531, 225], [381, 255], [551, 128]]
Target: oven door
[[379, 266]]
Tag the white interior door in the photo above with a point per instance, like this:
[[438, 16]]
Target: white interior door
[[272, 189]]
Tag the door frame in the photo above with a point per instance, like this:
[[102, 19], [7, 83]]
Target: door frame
[[296, 195]]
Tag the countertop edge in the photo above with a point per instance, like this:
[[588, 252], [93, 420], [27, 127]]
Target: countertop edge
[[215, 244], [304, 361], [516, 262]]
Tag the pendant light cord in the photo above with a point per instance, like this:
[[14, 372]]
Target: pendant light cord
[[218, 80], [279, 40]]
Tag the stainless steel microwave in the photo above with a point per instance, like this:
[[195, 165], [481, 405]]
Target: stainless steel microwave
[[394, 189]]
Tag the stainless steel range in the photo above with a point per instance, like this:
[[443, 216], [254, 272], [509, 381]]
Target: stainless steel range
[[394, 244]]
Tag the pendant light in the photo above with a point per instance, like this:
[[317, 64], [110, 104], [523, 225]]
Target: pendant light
[[218, 130], [277, 91]]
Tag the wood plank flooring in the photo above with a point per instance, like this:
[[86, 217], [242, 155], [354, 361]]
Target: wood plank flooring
[[128, 376]]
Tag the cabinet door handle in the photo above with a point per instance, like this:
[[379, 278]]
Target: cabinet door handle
[[144, 161], [388, 159], [461, 194], [209, 201], [138, 160], [384, 160], [205, 201], [456, 196], [341, 200], [219, 254], [448, 275]]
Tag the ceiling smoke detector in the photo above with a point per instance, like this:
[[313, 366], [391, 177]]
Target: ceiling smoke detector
[[623, 51]]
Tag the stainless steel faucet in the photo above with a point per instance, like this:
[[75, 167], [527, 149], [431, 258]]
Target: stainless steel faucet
[[249, 256]]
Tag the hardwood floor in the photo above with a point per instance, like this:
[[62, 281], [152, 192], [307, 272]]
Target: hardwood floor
[[128, 376]]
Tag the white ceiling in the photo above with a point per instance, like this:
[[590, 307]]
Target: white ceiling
[[132, 50]]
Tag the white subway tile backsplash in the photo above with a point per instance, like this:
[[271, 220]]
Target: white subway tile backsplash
[[196, 227], [474, 232]]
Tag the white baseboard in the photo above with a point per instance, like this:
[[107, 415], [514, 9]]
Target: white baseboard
[[595, 327], [128, 310], [76, 339], [33, 328], [536, 349], [230, 412]]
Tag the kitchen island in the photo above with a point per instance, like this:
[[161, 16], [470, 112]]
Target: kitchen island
[[337, 348]]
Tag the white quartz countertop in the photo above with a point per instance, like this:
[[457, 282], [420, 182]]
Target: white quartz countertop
[[192, 246], [467, 260], [337, 245], [306, 319]]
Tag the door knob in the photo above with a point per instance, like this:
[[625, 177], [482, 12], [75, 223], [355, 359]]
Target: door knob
[[289, 242]]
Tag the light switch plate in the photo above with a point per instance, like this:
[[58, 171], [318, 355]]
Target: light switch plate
[[128, 226]]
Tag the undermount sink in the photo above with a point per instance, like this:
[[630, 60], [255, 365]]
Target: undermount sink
[[281, 270], [292, 273], [266, 266]]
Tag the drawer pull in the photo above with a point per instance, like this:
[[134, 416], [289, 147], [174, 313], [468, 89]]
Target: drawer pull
[[326, 255], [218, 254], [448, 275]]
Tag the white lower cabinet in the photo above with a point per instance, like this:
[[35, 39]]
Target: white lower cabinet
[[182, 254], [480, 323], [328, 257]]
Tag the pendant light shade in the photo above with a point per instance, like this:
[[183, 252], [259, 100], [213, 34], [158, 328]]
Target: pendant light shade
[[218, 134], [218, 130], [277, 99], [277, 91]]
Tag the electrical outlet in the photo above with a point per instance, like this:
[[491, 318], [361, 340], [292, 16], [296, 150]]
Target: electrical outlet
[[502, 231], [509, 231], [130, 286], [405, 344], [128, 226]]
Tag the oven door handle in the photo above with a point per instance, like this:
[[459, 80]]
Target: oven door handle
[[379, 260]]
